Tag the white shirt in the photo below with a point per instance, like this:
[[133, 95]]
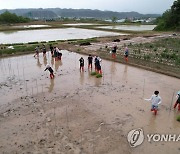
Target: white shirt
[[155, 100]]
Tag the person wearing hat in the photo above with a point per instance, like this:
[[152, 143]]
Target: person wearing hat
[[48, 67], [155, 101], [177, 101]]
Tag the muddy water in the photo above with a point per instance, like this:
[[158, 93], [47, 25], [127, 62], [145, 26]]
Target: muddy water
[[51, 34], [31, 26], [85, 114], [80, 24], [131, 27]]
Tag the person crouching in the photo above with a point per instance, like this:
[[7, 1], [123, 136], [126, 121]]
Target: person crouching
[[48, 67]]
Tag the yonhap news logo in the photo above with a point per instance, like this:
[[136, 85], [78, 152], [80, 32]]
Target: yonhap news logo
[[136, 137]]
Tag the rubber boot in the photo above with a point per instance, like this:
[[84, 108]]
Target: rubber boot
[[179, 107], [51, 76], [126, 59], [155, 111], [175, 105]]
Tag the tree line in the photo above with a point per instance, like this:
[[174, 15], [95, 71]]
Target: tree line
[[8, 18], [170, 20]]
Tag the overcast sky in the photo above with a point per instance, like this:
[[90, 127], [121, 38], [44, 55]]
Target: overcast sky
[[141, 6]]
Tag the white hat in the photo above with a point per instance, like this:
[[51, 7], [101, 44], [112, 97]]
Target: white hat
[[47, 66], [178, 92]]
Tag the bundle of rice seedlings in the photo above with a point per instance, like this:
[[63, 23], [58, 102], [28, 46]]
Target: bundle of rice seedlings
[[178, 118], [98, 75], [93, 73]]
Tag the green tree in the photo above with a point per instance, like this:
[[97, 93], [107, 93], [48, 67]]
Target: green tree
[[114, 19], [8, 17], [170, 19]]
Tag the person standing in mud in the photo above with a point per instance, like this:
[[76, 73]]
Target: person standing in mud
[[95, 63], [126, 54], [90, 59], [114, 51], [59, 55], [37, 52], [48, 67], [98, 65], [44, 50], [177, 101], [51, 49], [55, 54], [155, 100], [81, 60]]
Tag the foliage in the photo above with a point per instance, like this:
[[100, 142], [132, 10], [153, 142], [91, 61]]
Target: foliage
[[114, 19], [8, 18], [170, 19]]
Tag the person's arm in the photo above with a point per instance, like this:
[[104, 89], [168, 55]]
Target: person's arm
[[160, 100], [148, 99], [46, 69]]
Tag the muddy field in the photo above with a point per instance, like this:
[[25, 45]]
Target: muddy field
[[78, 113]]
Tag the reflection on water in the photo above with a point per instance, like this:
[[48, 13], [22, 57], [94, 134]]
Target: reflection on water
[[31, 26], [125, 74], [38, 63], [51, 86], [52, 61], [113, 68], [45, 60], [81, 79], [131, 27], [58, 64], [51, 34], [80, 24], [9, 32], [98, 81]]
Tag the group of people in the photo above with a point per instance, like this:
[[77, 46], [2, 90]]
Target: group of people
[[38, 49], [114, 50], [97, 63], [55, 52], [156, 100]]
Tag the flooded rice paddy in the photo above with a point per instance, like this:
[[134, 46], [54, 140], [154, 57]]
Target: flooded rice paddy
[[131, 27], [79, 113], [26, 36]]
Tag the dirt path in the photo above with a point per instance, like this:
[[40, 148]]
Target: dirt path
[[78, 113]]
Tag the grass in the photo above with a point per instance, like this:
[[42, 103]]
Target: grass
[[178, 118]]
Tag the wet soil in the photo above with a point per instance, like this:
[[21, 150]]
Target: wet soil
[[78, 113]]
